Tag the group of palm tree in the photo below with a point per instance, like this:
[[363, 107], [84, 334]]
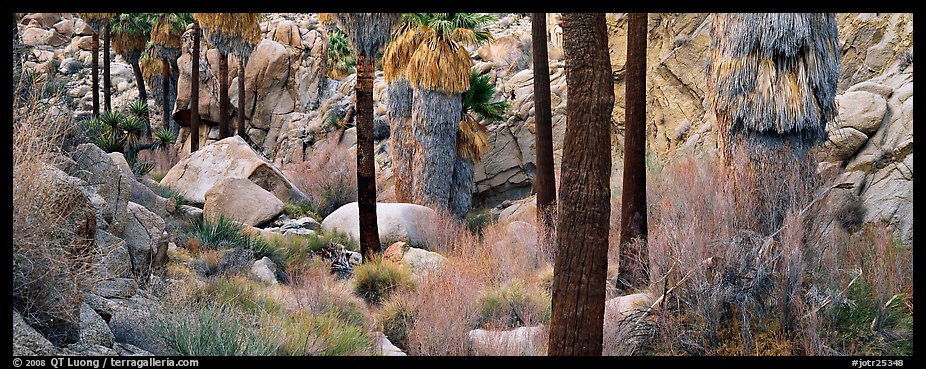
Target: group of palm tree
[[434, 97]]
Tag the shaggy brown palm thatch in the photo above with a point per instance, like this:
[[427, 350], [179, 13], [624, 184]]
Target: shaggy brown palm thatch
[[96, 20], [400, 51], [771, 80], [367, 32], [129, 45], [439, 65], [151, 70], [166, 37], [231, 33], [472, 140], [772, 75]]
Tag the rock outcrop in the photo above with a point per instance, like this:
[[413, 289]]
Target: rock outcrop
[[241, 200]]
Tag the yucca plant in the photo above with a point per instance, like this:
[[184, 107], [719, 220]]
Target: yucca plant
[[367, 34], [429, 52], [121, 131], [236, 33]]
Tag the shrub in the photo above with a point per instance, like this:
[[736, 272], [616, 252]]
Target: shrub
[[301, 210], [328, 177], [377, 279], [301, 334], [513, 306], [397, 317], [317, 292], [51, 260], [220, 232]]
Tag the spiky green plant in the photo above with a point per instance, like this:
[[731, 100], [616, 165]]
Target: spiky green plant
[[341, 60], [140, 167]]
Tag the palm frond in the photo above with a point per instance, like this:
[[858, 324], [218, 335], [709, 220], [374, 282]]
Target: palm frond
[[477, 99], [399, 51], [440, 66], [167, 32], [231, 33], [367, 32], [472, 139], [96, 20]]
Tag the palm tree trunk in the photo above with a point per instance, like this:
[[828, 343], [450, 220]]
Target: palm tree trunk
[[462, 187], [402, 138], [580, 267], [545, 182], [634, 269], [224, 123], [165, 97], [437, 118], [366, 168], [142, 92], [95, 72], [241, 109], [194, 91], [107, 82]]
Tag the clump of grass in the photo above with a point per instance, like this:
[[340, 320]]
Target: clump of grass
[[157, 176], [377, 279], [220, 232], [301, 210], [301, 334], [397, 317], [513, 306], [241, 292], [171, 193], [478, 220], [215, 329]]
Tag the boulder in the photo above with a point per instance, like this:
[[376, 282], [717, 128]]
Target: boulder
[[36, 36], [264, 270], [304, 223], [844, 142], [140, 193], [126, 349], [503, 52], [28, 341], [523, 341], [422, 262], [93, 329], [861, 110], [189, 215], [119, 288], [95, 167], [623, 306], [267, 74], [144, 234], [385, 348], [115, 260], [65, 27], [196, 173], [44, 20], [396, 222], [395, 252], [243, 201], [134, 322]]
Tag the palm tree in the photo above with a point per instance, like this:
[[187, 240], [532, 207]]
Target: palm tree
[[96, 21], [236, 33], [399, 108], [771, 81], [544, 180], [580, 267], [194, 88], [472, 139], [166, 44], [368, 33], [430, 54], [633, 256], [130, 37]]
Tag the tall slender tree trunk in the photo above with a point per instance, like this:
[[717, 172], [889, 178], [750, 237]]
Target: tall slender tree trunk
[[107, 81], [241, 109], [436, 118], [165, 97], [545, 182], [580, 267], [142, 93], [95, 72], [633, 271], [366, 168], [194, 91], [224, 123]]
